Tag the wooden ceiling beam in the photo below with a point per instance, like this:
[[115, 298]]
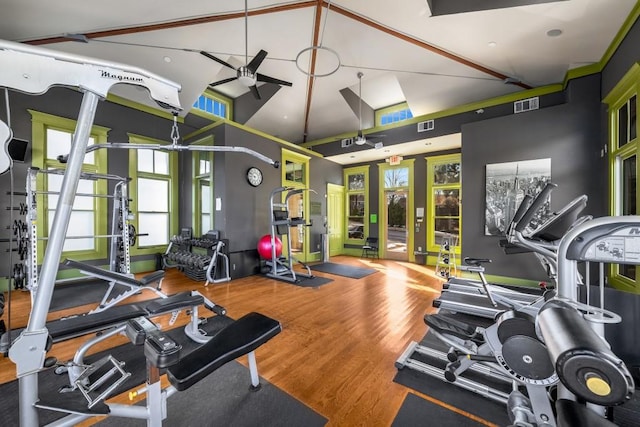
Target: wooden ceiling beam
[[312, 68], [177, 23]]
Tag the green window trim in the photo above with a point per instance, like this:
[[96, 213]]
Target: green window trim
[[378, 114], [227, 102], [297, 158], [197, 179], [432, 162], [40, 122], [621, 96], [133, 190], [359, 170], [382, 168]]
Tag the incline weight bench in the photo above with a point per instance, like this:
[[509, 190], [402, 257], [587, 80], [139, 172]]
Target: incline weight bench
[[134, 285]]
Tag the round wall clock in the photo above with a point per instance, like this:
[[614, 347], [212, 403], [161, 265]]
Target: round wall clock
[[254, 176]]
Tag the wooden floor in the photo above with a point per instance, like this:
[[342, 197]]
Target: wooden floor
[[339, 342]]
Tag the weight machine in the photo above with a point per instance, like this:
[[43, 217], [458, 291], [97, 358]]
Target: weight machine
[[33, 70], [281, 223]]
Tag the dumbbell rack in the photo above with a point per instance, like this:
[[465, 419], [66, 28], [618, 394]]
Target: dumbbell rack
[[446, 263], [197, 258]]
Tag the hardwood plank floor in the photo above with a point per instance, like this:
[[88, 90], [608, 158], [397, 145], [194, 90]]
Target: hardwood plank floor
[[339, 342]]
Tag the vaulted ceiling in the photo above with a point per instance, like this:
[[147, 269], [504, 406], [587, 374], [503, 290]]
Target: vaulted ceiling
[[431, 54]]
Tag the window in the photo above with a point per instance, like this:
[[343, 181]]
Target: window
[[357, 180], [394, 114], [623, 155], [212, 103], [295, 170], [52, 137], [202, 188], [443, 200], [153, 191]]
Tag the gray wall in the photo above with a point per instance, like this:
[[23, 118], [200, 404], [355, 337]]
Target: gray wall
[[569, 134], [245, 214]]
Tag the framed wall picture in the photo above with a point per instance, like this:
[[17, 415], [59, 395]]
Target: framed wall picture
[[506, 185]]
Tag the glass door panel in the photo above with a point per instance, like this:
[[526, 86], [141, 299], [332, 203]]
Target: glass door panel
[[296, 210], [396, 225]]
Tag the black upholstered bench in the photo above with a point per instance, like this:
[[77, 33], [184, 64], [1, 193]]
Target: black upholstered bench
[[239, 338]]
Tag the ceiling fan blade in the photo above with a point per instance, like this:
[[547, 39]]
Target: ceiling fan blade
[[267, 79], [221, 82], [256, 61], [218, 60], [254, 91]]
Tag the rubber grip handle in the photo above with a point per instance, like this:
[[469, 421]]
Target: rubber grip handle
[[537, 204]]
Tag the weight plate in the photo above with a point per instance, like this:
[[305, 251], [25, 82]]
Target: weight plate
[[527, 357]]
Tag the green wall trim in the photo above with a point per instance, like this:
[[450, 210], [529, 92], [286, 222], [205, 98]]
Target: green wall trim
[[622, 33], [274, 139], [503, 99], [142, 107], [208, 127], [583, 71]]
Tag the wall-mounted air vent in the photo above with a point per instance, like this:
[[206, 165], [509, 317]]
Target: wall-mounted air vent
[[425, 126], [347, 142], [526, 105]]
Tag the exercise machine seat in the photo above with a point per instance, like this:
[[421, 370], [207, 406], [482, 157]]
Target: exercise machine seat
[[448, 325], [70, 327], [239, 338]]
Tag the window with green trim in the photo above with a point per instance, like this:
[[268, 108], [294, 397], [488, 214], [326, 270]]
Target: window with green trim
[[52, 137], [153, 190], [202, 192], [394, 114], [295, 171], [443, 199], [357, 180], [213, 104], [623, 159]]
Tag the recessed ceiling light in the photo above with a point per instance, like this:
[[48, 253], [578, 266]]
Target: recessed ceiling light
[[167, 59], [285, 117], [493, 44], [387, 151], [554, 33], [352, 156], [427, 143]]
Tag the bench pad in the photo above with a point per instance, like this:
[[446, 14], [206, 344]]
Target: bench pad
[[239, 338], [86, 323], [173, 302]]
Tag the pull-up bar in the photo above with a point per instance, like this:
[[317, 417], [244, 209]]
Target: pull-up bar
[[176, 147]]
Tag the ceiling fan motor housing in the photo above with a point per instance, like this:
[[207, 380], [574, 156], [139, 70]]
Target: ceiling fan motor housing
[[246, 77]]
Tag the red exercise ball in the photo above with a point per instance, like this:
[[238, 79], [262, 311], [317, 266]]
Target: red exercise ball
[[264, 247]]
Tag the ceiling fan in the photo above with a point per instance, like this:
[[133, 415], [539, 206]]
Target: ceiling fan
[[247, 74], [360, 139]]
